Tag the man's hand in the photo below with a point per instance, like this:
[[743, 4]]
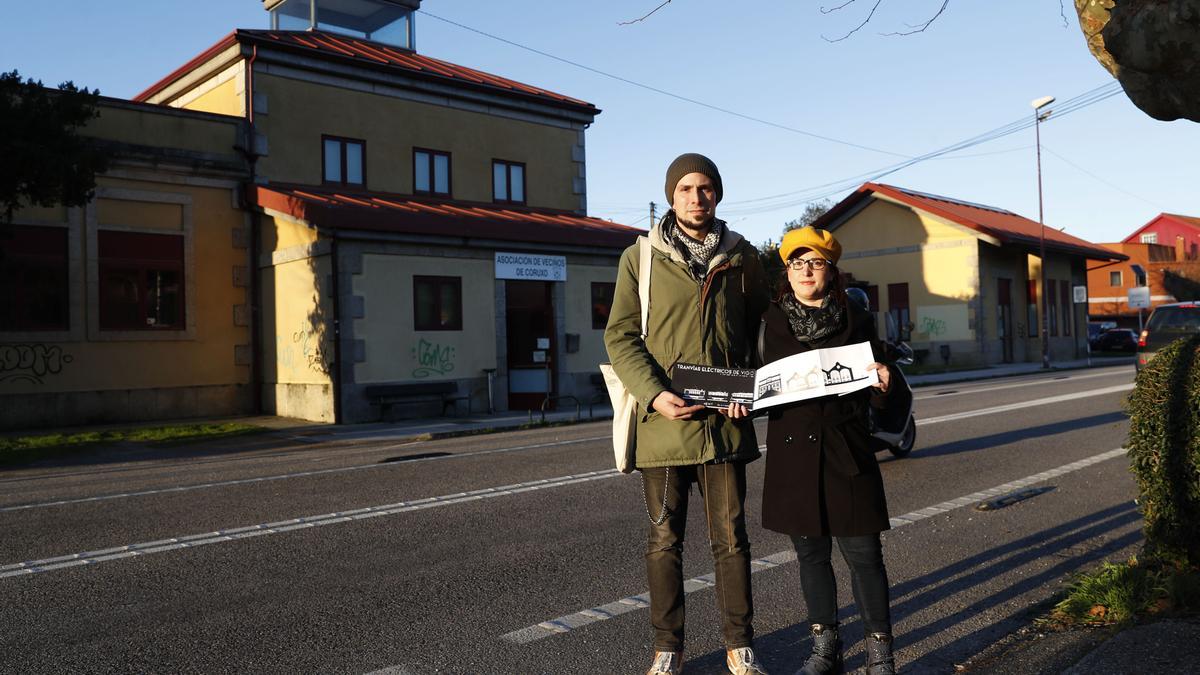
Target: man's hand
[[672, 407], [885, 377]]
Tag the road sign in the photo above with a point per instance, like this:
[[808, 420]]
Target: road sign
[[1139, 298], [1080, 294]]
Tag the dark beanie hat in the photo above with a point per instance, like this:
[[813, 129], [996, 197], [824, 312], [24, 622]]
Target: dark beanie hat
[[691, 163]]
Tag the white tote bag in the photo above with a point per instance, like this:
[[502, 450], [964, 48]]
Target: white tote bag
[[624, 405]]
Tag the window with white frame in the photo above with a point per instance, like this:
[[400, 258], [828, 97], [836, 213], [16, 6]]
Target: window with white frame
[[1150, 238]]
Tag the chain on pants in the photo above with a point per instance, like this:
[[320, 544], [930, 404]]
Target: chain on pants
[[723, 490]]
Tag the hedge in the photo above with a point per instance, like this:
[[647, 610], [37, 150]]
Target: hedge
[[1164, 451]]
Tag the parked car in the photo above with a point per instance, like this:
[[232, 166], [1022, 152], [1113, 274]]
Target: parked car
[[1167, 324], [1095, 328], [1116, 340]]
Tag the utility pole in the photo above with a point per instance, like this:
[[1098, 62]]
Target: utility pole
[[653, 215]]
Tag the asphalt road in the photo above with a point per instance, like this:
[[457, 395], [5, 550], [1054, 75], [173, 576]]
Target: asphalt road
[[521, 552]]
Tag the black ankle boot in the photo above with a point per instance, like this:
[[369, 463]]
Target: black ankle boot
[[879, 654], [826, 658]]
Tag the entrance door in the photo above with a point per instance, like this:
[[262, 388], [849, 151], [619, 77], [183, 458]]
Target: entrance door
[[531, 346], [1004, 329]]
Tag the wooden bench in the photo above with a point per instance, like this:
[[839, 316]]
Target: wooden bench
[[416, 392]]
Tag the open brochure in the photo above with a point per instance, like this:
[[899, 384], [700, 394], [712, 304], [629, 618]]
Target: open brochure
[[811, 374]]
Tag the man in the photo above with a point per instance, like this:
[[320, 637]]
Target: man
[[707, 293]]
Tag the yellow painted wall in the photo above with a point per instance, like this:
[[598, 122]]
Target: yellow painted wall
[[281, 233], [139, 214], [579, 317], [222, 99], [395, 352], [303, 344], [140, 125], [134, 363], [302, 112], [41, 214], [941, 275]]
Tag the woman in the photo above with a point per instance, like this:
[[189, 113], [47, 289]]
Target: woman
[[822, 481]]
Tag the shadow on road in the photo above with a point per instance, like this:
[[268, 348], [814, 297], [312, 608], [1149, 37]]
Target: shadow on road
[[1014, 436], [951, 593]]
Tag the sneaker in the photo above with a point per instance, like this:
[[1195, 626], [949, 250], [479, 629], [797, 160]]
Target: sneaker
[[666, 663], [741, 661]]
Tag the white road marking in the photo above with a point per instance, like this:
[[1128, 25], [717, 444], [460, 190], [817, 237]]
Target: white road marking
[[193, 540], [570, 622], [298, 474], [189, 541], [999, 387], [1037, 402]]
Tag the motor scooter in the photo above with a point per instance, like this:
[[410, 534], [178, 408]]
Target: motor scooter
[[893, 427]]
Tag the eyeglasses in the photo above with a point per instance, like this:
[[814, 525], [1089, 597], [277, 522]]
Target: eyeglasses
[[816, 264]]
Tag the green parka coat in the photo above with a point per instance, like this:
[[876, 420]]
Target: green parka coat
[[711, 322]]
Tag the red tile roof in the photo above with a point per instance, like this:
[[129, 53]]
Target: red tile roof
[[383, 212], [1005, 226], [367, 53]]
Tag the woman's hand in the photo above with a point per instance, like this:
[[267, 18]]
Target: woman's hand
[[885, 376], [735, 411]]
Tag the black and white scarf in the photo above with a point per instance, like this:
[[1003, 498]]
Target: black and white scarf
[[810, 324], [697, 254]]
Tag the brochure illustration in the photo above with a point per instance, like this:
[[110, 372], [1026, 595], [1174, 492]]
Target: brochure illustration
[[820, 372]]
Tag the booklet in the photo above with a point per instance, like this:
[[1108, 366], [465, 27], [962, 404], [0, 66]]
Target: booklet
[[811, 374]]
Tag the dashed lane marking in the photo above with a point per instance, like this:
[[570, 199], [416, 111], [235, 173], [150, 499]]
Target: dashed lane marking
[[569, 622]]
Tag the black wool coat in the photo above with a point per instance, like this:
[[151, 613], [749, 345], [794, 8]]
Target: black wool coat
[[821, 475]]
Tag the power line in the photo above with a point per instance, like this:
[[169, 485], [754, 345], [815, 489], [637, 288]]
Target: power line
[[1111, 185], [664, 92]]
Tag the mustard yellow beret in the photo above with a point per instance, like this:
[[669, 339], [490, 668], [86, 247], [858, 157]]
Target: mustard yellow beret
[[810, 237]]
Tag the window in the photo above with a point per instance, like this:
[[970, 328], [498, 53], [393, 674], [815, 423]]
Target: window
[[602, 297], [141, 281], [33, 279], [437, 303], [898, 308], [1150, 238], [431, 172], [1052, 309], [508, 182], [344, 161], [1114, 279], [1064, 289], [1031, 313]]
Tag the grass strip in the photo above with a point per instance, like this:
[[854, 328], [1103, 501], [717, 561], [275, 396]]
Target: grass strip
[[1121, 593], [24, 449]]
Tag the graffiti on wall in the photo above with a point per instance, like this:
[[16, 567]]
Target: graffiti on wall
[[432, 358], [31, 363], [303, 348], [931, 326]]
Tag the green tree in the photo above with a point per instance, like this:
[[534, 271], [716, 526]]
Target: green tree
[[46, 161], [812, 211]]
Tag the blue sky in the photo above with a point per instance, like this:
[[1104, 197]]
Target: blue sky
[[1107, 167]]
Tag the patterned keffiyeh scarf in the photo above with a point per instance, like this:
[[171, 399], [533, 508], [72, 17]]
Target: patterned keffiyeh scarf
[[696, 253], [810, 324]]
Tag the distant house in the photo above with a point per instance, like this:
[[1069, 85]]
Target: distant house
[[1164, 256], [961, 279]]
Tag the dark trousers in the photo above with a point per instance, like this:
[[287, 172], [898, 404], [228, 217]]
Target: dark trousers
[[723, 489], [868, 579]]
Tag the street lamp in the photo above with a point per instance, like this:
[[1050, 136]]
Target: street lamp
[[1038, 104]]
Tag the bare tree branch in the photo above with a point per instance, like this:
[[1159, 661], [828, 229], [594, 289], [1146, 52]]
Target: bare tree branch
[[834, 9], [664, 4], [856, 28], [921, 28], [1062, 12]]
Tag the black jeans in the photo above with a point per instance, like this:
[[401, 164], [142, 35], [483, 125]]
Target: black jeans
[[723, 488], [868, 579]]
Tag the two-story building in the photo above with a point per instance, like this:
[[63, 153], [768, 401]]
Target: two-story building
[[1163, 260], [315, 220]]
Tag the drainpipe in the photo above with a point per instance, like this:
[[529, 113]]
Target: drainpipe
[[256, 331], [336, 375]]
